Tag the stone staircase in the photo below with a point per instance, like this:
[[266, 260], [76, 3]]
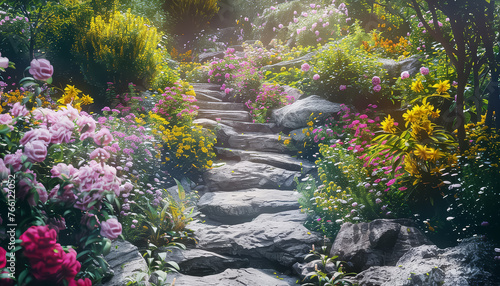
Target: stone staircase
[[253, 230]]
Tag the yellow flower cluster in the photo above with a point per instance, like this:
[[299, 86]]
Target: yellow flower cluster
[[419, 120], [14, 96], [71, 96]]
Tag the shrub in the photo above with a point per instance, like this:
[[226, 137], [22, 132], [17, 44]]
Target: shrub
[[177, 105], [119, 51], [346, 76], [269, 97]]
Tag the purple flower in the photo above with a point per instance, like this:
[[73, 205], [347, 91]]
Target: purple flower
[[377, 88], [485, 223], [342, 87], [405, 75], [376, 80], [424, 71], [316, 77]]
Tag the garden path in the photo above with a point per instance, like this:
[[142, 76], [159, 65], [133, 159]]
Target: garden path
[[253, 231]]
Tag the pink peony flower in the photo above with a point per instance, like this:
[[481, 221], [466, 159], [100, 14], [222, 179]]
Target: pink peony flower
[[4, 171], [305, 67], [36, 150], [405, 75], [111, 228], [377, 88], [19, 110], [41, 134], [4, 62], [7, 120], [41, 69], [103, 137], [316, 77], [342, 87], [424, 71], [376, 80]]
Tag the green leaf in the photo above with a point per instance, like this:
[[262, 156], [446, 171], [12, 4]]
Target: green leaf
[[49, 81]]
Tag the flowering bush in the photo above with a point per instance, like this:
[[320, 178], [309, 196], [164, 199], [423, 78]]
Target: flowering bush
[[119, 50], [268, 98], [350, 188], [176, 104], [238, 77]]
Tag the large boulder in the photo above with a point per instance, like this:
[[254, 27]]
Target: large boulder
[[126, 262], [377, 243], [395, 68], [470, 263], [297, 115]]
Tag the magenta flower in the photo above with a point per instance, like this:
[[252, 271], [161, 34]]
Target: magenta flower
[[305, 67], [111, 228], [405, 75], [391, 182], [342, 87], [424, 71], [316, 77], [376, 80], [377, 88]]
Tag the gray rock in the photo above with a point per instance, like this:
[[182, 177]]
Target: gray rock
[[258, 142], [200, 262], [244, 175], [205, 123], [297, 115], [236, 277], [466, 264], [244, 205], [395, 68], [210, 95], [377, 243], [283, 161], [297, 135], [126, 262], [209, 56], [279, 237], [293, 92]]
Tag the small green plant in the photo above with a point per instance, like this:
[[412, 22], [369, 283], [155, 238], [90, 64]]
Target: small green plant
[[321, 276]]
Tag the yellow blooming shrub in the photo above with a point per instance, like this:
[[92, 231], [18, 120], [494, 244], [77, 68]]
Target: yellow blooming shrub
[[120, 50], [425, 149]]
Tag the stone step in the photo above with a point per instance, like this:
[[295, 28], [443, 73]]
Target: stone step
[[243, 127], [257, 141], [199, 262], [233, 176], [278, 237], [283, 161], [205, 86], [220, 105], [210, 94], [235, 277], [224, 114], [245, 205], [205, 97]]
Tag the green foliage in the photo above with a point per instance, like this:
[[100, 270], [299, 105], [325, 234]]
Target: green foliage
[[321, 276], [270, 97], [165, 223]]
